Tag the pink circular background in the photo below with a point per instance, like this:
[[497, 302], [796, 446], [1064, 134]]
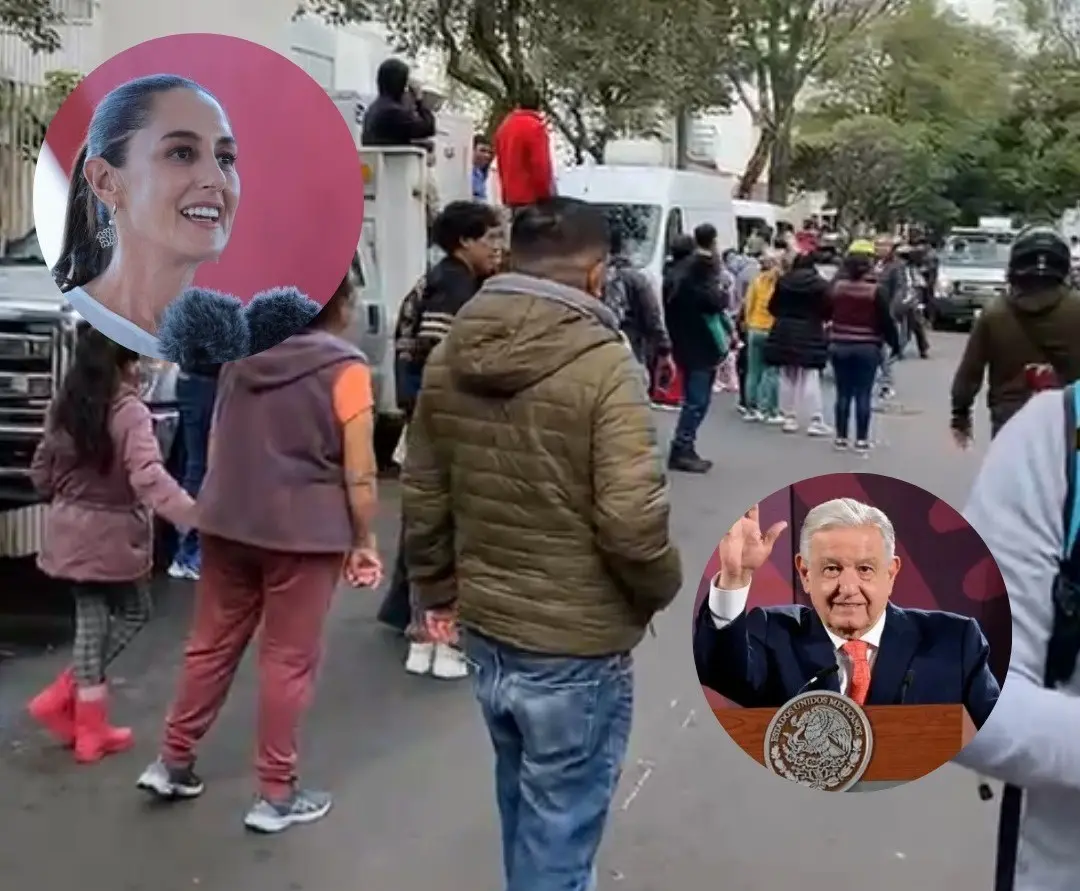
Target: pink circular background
[[302, 191]]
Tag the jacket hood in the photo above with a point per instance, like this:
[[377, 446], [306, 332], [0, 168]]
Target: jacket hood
[[297, 357], [1036, 302], [802, 280], [519, 330], [392, 78]]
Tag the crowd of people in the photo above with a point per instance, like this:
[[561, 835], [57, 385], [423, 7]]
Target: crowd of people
[[535, 545], [766, 323]]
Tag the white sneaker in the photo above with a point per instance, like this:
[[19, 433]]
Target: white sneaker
[[753, 416], [790, 425], [818, 428], [183, 572], [775, 420], [420, 659], [449, 664]]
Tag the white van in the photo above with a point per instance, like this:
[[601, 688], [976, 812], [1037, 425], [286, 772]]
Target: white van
[[656, 204], [755, 215]]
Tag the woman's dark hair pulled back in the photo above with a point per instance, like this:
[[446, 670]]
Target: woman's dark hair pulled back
[[83, 405], [341, 300], [858, 266], [124, 111]]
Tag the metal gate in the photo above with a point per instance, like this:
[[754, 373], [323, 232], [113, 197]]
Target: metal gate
[[22, 107]]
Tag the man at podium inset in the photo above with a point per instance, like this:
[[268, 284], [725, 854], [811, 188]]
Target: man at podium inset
[[853, 640]]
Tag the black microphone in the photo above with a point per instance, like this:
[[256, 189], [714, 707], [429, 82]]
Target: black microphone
[[905, 686], [817, 679], [203, 327]]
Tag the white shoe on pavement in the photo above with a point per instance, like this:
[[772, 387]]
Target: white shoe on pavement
[[449, 664], [421, 658], [818, 428], [790, 425], [775, 420], [183, 572]]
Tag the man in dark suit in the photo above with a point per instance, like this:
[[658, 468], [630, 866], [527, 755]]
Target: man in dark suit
[[852, 640]]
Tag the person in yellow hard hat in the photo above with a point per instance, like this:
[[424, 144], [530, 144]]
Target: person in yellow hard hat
[[861, 324]]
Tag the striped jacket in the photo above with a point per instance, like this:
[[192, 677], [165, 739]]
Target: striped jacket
[[449, 286]]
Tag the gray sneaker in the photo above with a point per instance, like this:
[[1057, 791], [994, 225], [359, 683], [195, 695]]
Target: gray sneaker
[[170, 783], [304, 806]]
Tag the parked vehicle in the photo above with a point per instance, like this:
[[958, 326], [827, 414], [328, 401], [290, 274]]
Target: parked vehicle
[[971, 273]]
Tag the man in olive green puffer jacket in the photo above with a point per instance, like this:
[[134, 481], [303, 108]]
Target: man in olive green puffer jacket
[[536, 513]]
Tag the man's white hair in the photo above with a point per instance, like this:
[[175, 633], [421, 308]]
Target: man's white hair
[[845, 513]]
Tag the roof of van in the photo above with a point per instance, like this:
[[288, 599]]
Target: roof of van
[[633, 184], [763, 209]]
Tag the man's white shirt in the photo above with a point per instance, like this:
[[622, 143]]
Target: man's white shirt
[[726, 606]]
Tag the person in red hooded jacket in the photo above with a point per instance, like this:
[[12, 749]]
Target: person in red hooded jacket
[[523, 155]]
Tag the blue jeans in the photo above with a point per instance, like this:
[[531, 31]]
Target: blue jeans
[[195, 397], [854, 367], [885, 368], [697, 396], [762, 381], [560, 728]]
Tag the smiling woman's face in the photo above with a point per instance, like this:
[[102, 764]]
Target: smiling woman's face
[[180, 186]]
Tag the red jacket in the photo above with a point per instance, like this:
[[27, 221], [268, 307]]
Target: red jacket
[[523, 155]]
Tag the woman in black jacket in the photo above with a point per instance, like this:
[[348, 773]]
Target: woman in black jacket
[[798, 345]]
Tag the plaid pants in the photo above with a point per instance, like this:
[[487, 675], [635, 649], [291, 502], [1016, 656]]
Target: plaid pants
[[108, 615]]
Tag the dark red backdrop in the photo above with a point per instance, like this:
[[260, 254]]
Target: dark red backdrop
[[945, 563], [301, 190]]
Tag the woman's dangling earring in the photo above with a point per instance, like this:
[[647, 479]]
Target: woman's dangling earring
[[106, 235]]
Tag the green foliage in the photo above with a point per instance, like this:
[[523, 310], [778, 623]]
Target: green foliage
[[30, 109], [779, 50], [604, 68], [952, 121], [34, 22]]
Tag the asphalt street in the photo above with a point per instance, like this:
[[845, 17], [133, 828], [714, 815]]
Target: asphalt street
[[411, 767]]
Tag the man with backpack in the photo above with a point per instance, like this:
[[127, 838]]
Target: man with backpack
[[1026, 506], [1025, 341], [630, 295]]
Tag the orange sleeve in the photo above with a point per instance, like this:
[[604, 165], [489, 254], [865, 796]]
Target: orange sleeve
[[352, 392]]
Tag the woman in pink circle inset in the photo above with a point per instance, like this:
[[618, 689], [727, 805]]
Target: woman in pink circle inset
[[154, 193]]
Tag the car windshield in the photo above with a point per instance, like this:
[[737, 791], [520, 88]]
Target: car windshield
[[640, 228], [978, 249]]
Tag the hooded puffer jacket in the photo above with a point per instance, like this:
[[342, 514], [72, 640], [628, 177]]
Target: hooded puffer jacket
[[534, 490]]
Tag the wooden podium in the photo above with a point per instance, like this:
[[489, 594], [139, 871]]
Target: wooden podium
[[910, 741]]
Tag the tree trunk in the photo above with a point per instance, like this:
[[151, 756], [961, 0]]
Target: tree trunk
[[780, 170], [755, 166], [780, 161], [500, 108]]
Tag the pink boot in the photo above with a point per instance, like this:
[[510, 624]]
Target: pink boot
[[94, 736], [54, 708]]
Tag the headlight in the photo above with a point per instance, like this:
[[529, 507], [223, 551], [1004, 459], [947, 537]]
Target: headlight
[[944, 287]]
